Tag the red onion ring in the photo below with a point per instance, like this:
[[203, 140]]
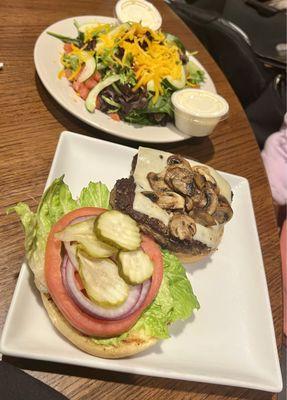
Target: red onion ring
[[71, 255], [145, 289], [91, 308], [67, 245], [135, 299], [81, 219]]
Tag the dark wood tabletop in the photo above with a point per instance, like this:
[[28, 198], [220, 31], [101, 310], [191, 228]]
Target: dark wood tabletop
[[30, 124]]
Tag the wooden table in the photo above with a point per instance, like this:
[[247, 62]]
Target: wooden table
[[31, 122]]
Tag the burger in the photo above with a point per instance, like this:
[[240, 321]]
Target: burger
[[107, 286], [182, 204]]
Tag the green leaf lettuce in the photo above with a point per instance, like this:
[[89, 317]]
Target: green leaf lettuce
[[56, 202]]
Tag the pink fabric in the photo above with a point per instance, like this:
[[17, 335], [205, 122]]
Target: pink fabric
[[274, 157], [283, 246]]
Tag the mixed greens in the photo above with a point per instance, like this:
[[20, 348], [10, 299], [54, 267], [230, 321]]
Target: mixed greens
[[175, 299], [127, 71]]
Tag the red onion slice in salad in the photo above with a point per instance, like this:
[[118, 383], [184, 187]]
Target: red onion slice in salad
[[91, 308]]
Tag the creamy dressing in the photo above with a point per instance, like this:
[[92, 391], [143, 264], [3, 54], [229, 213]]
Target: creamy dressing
[[139, 11], [150, 160], [199, 103]]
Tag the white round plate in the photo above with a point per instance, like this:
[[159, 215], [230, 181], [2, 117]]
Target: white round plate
[[47, 54]]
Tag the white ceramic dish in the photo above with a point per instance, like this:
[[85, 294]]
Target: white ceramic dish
[[47, 61], [229, 341]]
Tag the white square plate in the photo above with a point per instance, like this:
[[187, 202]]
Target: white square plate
[[229, 341]]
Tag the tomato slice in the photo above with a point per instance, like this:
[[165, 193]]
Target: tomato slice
[[76, 317]]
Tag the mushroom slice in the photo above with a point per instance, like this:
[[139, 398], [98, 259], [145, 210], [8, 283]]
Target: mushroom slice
[[180, 180], [199, 199], [179, 161], [182, 227], [203, 170], [223, 212], [170, 201], [203, 218], [189, 203], [166, 200], [157, 182], [199, 180], [150, 195], [212, 200]]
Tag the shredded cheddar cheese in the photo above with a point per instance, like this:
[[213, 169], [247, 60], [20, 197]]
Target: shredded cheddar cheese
[[153, 58]]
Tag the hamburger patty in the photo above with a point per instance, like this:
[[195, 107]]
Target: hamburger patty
[[122, 199]]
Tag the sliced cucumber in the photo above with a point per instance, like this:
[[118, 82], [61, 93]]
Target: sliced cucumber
[[102, 282], [88, 70], [94, 247], [118, 229], [135, 266], [150, 86], [92, 97], [175, 40], [71, 232], [177, 83], [84, 27]]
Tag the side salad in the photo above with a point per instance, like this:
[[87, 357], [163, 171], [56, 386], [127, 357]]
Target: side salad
[[127, 71]]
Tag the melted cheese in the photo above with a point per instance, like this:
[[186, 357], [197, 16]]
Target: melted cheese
[[150, 160]]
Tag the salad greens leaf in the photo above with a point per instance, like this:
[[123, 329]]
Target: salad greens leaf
[[163, 105], [56, 202], [195, 74], [138, 117], [70, 61], [66, 39], [144, 116]]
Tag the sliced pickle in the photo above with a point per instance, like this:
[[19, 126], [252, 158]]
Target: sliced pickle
[[118, 229], [95, 247], [102, 281], [73, 230], [135, 266]]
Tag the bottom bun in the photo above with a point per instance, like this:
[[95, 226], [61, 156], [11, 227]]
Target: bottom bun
[[193, 258], [190, 259], [133, 344]]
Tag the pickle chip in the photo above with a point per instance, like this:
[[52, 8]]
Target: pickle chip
[[102, 281], [135, 266], [83, 233], [74, 230], [118, 229]]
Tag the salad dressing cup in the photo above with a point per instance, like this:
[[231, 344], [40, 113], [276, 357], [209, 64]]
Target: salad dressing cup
[[197, 112]]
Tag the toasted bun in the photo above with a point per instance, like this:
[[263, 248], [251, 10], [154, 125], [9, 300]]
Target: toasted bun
[[133, 344], [190, 259]]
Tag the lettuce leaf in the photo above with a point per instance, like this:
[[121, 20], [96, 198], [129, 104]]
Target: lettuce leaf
[[94, 195], [174, 301], [56, 202]]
